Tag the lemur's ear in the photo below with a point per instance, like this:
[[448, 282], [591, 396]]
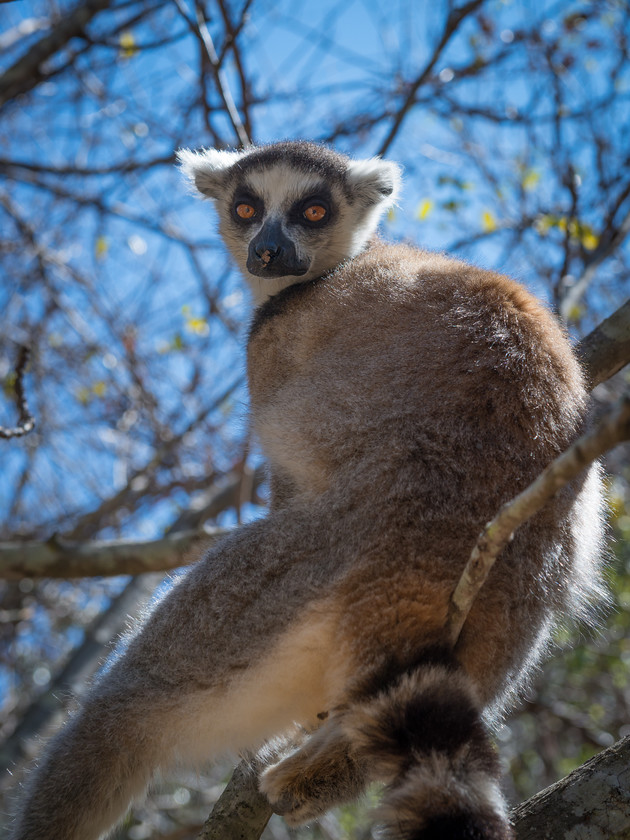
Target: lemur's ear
[[374, 181], [206, 169]]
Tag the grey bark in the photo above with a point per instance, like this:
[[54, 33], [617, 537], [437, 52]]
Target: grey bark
[[241, 812], [592, 803], [607, 349]]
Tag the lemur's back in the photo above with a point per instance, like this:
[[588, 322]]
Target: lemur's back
[[426, 392]]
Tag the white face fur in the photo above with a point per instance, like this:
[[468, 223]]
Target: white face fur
[[291, 212]]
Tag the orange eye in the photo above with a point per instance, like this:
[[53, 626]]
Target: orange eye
[[245, 211], [315, 213]]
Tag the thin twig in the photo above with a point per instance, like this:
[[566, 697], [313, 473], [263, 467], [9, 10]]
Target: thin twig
[[200, 29], [612, 430], [456, 16]]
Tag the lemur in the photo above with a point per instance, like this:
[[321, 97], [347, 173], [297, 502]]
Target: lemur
[[400, 397]]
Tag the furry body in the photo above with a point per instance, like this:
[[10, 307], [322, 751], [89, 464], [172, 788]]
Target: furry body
[[400, 399]]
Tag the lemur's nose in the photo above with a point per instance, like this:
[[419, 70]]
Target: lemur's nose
[[267, 252]]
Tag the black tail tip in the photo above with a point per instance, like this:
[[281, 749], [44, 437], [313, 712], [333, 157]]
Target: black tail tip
[[463, 826]]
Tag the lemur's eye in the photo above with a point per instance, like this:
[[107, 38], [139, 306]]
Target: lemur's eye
[[315, 213], [245, 211]]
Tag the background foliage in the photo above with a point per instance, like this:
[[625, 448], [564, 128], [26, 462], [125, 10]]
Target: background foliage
[[512, 120]]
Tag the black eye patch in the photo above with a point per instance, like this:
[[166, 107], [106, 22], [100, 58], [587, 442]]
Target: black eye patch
[[243, 198]]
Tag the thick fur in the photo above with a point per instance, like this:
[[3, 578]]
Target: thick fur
[[400, 399]]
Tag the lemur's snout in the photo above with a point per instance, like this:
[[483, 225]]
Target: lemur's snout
[[273, 253], [269, 253]]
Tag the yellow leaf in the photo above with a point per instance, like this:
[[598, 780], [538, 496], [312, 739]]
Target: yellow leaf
[[488, 221], [199, 326], [83, 395], [530, 179], [100, 247], [590, 240], [99, 388], [8, 386], [424, 208], [391, 214], [127, 44]]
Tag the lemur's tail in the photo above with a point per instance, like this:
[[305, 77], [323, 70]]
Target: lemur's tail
[[421, 732]]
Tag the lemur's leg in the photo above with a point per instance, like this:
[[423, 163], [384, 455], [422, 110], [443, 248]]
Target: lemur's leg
[[420, 733], [235, 653]]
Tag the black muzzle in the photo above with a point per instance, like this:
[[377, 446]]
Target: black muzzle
[[273, 254]]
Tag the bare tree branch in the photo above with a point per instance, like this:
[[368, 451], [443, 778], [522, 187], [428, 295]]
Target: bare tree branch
[[606, 349], [62, 558], [122, 167], [26, 73], [81, 664], [241, 812]]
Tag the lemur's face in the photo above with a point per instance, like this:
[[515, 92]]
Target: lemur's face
[[294, 211], [285, 226], [284, 220]]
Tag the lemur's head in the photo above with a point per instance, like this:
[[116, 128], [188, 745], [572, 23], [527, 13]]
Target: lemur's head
[[292, 211]]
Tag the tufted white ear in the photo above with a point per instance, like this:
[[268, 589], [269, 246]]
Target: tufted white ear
[[374, 181], [206, 168]]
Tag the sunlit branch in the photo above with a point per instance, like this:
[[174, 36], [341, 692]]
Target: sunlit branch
[[241, 810], [232, 33], [612, 430]]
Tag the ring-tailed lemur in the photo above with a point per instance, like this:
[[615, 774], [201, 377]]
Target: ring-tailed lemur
[[400, 397]]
